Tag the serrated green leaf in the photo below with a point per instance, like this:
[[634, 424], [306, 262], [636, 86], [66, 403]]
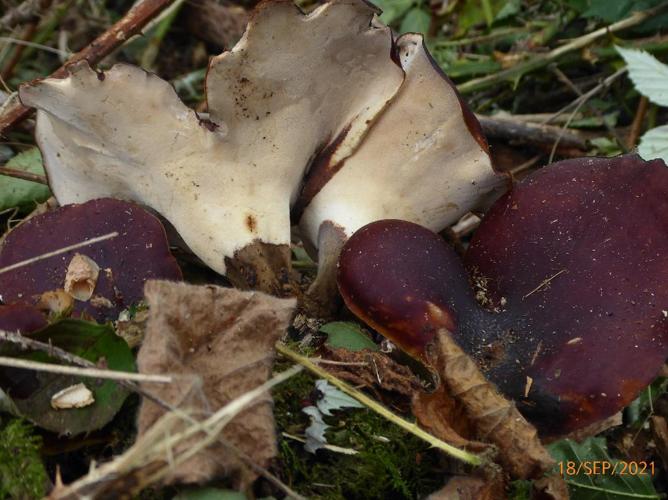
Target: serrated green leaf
[[416, 21], [648, 74], [598, 486], [654, 144], [347, 335], [32, 392], [18, 192]]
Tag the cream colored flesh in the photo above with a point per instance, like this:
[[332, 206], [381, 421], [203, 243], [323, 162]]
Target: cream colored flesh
[[419, 162], [292, 84]]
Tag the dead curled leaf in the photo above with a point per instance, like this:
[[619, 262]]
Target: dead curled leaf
[[224, 339], [445, 417], [496, 418]]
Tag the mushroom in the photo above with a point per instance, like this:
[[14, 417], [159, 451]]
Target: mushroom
[[139, 252], [568, 312], [425, 160], [292, 86]]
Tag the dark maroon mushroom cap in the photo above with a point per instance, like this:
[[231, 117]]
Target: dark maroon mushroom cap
[[140, 252], [571, 267]]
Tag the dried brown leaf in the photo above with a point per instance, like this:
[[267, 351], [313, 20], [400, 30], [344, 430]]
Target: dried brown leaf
[[495, 418], [444, 417], [225, 339]]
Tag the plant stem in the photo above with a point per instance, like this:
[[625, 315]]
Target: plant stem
[[23, 175], [464, 456], [543, 60], [128, 26]]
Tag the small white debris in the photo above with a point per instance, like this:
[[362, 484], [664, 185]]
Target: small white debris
[[576, 340], [527, 387], [74, 396]]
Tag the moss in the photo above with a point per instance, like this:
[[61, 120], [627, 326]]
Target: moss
[[390, 462], [22, 474]]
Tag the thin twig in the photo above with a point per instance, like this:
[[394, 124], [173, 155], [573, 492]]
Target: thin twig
[[544, 283], [607, 82], [23, 175], [25, 43], [410, 427], [638, 120], [83, 372], [542, 60], [10, 65], [66, 249], [576, 90], [128, 26]]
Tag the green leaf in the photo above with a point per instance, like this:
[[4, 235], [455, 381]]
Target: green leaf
[[18, 192], [654, 144], [590, 486], [509, 9], [393, 9], [609, 11], [31, 391], [22, 473], [347, 335], [416, 21], [210, 494], [640, 408], [648, 74]]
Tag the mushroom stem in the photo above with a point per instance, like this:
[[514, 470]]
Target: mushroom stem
[[322, 299], [262, 266]]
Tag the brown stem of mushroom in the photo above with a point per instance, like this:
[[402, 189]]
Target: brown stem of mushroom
[[322, 298], [129, 25], [21, 174], [638, 121]]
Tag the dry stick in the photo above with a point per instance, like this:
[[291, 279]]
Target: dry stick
[[543, 60], [576, 90], [22, 174], [128, 26], [464, 456], [514, 130], [63, 355], [83, 372], [66, 249], [638, 120], [584, 97]]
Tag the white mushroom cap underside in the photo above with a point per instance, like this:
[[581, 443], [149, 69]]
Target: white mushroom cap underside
[[126, 134], [419, 162]]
